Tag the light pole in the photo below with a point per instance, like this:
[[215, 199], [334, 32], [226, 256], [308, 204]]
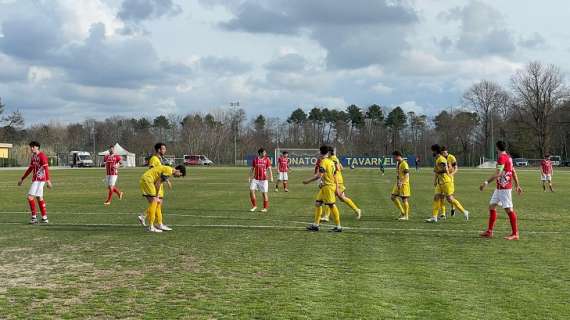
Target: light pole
[[235, 105]]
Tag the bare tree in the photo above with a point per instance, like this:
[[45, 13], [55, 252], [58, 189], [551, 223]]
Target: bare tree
[[539, 91]]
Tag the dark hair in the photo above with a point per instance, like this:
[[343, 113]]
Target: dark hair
[[443, 148], [34, 144], [331, 150], [182, 169], [547, 155], [158, 146], [397, 153], [436, 148], [285, 152], [324, 150], [260, 151], [501, 145]]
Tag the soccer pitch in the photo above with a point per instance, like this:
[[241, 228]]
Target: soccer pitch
[[222, 261]]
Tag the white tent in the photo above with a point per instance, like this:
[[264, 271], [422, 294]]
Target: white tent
[[128, 157]]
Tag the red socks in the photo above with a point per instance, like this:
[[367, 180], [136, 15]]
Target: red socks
[[117, 191], [492, 219], [285, 183], [253, 202], [32, 204], [265, 204], [513, 219], [43, 209]]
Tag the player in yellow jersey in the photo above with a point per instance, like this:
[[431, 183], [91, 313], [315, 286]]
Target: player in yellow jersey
[[150, 184], [156, 160], [453, 168], [443, 185], [401, 192], [342, 190], [327, 192]]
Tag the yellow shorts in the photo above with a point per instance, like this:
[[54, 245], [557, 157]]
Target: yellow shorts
[[326, 195], [446, 189], [403, 192], [148, 188]]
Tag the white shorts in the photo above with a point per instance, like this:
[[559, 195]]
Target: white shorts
[[546, 177], [111, 180], [283, 176], [37, 189], [502, 197], [260, 185]]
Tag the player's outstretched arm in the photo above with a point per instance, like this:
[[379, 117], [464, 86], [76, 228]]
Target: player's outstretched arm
[[491, 178], [314, 178], [518, 188]]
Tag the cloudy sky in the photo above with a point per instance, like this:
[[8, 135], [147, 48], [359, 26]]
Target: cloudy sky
[[68, 60]]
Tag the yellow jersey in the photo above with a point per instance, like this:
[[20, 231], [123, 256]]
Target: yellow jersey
[[154, 161], [339, 177], [403, 169], [328, 170], [156, 173], [451, 160], [440, 170]]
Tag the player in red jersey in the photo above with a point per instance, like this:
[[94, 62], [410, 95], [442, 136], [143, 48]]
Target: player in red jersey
[[283, 168], [40, 177], [546, 171], [505, 176], [112, 162], [258, 179]]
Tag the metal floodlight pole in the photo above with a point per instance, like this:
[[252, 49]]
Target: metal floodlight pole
[[235, 105]]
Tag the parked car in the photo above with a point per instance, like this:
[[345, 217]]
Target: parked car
[[197, 160], [520, 162], [80, 159], [556, 160]]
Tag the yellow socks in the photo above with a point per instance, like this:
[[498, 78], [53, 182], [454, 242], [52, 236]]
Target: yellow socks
[[350, 203], [318, 212], [442, 206], [336, 215], [398, 204], [152, 213], [436, 206], [326, 212], [159, 213], [406, 205], [458, 205]]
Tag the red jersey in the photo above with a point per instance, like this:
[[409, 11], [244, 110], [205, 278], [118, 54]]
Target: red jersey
[[112, 164], [317, 165], [283, 164], [39, 167], [260, 166], [546, 166], [505, 180]]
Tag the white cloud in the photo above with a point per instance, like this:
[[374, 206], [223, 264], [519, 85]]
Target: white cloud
[[382, 89]]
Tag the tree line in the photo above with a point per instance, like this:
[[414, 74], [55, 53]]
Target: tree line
[[532, 115]]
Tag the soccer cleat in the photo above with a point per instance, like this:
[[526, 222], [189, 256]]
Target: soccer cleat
[[466, 215], [164, 227], [512, 237], [336, 229], [44, 220], [487, 234], [34, 220], [452, 212], [276, 190], [121, 195], [443, 217], [141, 220], [264, 210], [358, 214], [431, 220], [313, 228], [107, 203], [253, 209], [287, 190], [324, 220], [153, 229], [403, 218]]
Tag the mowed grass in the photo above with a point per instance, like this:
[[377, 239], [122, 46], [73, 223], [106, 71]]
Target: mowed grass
[[223, 262]]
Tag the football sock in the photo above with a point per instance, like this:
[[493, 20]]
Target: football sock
[[492, 219], [406, 205], [336, 215], [458, 205], [265, 204], [442, 206], [399, 205], [32, 204], [253, 201], [152, 213], [436, 206], [109, 195], [285, 184], [43, 209], [326, 212], [350, 203], [317, 218], [117, 191], [513, 219], [159, 213]]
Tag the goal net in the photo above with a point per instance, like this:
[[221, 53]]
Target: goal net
[[299, 157]]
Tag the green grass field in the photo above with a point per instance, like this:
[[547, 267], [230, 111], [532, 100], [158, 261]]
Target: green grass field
[[223, 262]]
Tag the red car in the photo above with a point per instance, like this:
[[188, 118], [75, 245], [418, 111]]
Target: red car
[[197, 160]]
